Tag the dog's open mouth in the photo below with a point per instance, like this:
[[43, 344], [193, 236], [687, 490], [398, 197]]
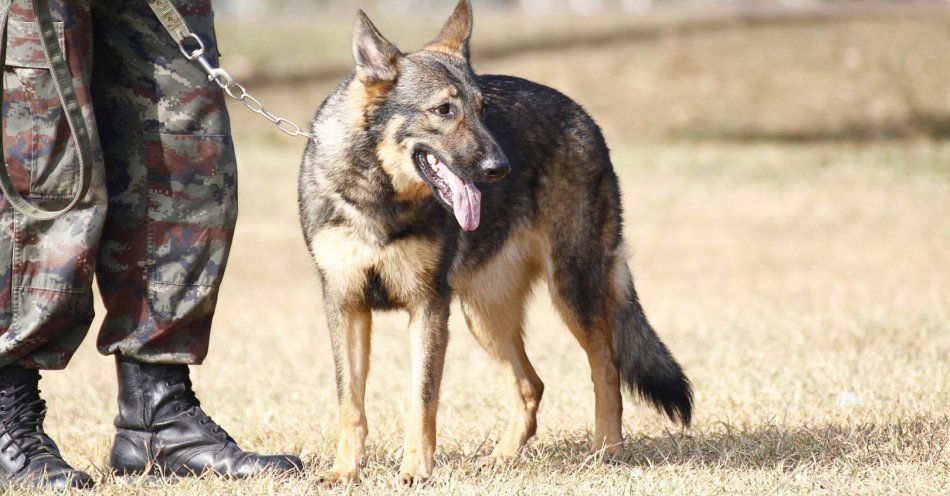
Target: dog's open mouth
[[461, 196]]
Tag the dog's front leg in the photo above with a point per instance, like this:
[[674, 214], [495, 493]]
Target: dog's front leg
[[428, 330], [350, 338]]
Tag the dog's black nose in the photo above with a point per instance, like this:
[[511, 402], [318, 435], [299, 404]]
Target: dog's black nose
[[494, 170]]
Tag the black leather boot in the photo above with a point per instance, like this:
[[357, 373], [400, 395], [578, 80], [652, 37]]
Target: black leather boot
[[162, 430], [28, 457]]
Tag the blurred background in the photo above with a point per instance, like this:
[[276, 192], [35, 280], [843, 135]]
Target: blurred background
[[530, 6], [752, 70]]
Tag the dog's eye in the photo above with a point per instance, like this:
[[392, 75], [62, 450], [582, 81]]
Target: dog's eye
[[444, 109]]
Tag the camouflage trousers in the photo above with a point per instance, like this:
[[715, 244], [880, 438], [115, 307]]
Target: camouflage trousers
[[156, 225]]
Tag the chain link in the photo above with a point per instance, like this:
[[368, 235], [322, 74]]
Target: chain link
[[236, 91]]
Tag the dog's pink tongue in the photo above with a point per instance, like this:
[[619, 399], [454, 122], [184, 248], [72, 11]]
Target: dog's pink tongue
[[466, 200]]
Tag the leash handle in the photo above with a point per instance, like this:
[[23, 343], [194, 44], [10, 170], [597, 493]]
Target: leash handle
[[63, 82], [169, 16]]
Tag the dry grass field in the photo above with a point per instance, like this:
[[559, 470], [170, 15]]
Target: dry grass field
[[787, 192]]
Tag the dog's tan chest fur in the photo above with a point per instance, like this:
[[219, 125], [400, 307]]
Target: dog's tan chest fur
[[405, 266]]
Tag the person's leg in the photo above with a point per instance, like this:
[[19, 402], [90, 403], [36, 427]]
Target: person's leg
[[46, 267], [172, 181], [171, 176]]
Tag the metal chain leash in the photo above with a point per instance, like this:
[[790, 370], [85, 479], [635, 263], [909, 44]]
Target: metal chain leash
[[237, 91]]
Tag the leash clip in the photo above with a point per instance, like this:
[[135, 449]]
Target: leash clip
[[231, 87], [197, 52], [217, 74]]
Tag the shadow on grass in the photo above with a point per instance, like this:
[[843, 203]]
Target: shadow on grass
[[914, 440], [918, 440]]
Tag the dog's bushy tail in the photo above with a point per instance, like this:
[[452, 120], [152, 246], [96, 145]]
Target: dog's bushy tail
[[645, 364]]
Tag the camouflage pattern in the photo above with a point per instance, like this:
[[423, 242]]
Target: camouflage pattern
[[157, 222]]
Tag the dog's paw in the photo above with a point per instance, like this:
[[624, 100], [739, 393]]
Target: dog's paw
[[612, 453], [414, 471], [495, 460], [410, 479], [335, 477]]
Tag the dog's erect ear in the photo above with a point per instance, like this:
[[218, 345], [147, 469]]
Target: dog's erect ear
[[454, 37], [376, 58]]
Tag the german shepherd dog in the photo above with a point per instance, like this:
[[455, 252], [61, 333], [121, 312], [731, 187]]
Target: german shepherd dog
[[426, 182]]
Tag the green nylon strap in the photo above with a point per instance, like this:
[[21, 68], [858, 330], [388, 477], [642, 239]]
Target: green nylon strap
[[171, 19], [63, 81]]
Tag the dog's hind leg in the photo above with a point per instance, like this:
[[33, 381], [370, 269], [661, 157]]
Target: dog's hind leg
[[429, 335], [586, 300], [350, 339], [608, 402]]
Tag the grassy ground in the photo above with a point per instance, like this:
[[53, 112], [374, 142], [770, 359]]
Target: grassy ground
[[787, 190]]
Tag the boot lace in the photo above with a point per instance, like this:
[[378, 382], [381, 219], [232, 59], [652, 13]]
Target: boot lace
[[191, 406], [23, 419]]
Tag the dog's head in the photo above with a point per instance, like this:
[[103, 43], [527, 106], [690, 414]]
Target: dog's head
[[423, 113]]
